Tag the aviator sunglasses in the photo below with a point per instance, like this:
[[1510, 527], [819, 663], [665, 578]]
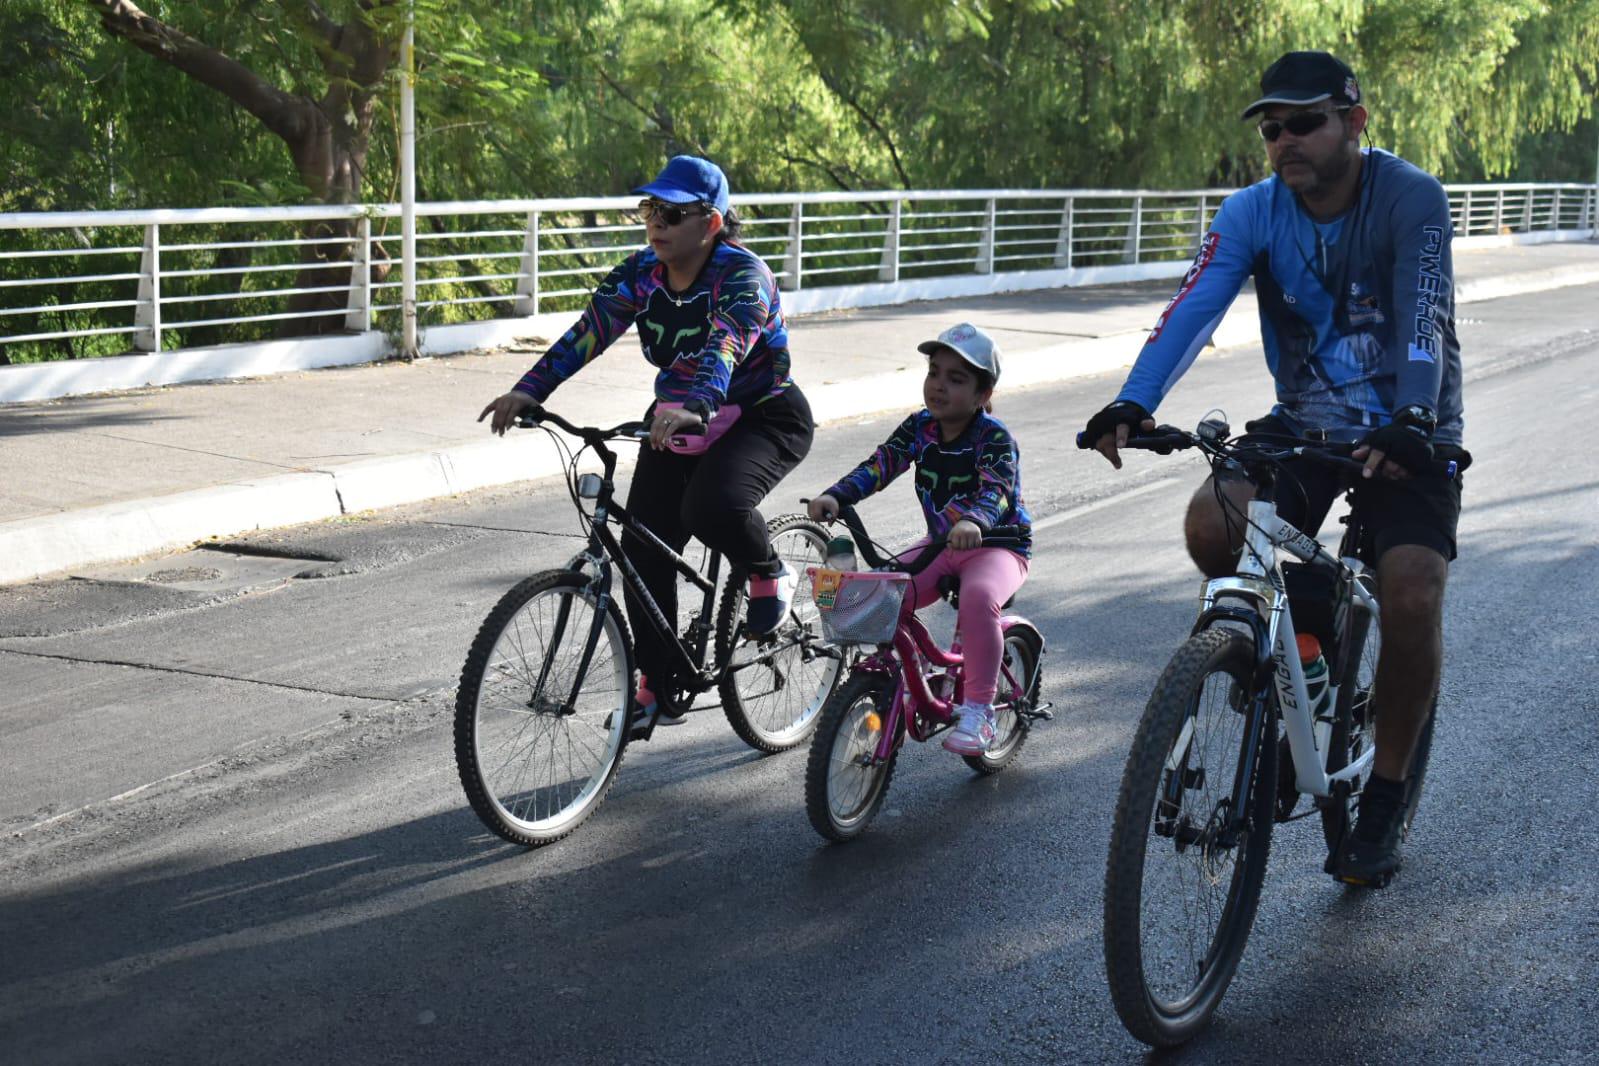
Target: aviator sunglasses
[[669, 214], [1300, 123]]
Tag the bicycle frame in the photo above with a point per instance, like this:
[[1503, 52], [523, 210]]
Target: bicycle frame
[[914, 701], [603, 547], [1259, 582]]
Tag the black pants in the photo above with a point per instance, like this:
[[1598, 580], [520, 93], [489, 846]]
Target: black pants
[[713, 498]]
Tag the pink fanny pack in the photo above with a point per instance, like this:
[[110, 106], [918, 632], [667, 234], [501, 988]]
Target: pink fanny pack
[[698, 443]]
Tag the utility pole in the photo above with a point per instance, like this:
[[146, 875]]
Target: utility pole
[[408, 186]]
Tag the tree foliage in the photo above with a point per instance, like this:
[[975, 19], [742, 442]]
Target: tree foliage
[[200, 102], [192, 103]]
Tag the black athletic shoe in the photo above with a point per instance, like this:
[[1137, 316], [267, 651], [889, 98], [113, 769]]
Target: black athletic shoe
[[648, 712], [1369, 855]]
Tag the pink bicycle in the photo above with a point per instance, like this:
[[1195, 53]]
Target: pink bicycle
[[903, 684]]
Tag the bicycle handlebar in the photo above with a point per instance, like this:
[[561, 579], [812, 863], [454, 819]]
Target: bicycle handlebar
[[587, 434], [1009, 536], [1164, 440]]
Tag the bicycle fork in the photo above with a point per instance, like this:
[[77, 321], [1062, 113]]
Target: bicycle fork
[[601, 583]]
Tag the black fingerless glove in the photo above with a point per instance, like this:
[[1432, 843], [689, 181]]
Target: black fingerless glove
[[1120, 413], [1407, 440]]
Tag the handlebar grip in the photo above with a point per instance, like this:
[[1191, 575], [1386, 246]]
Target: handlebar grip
[[1448, 469], [1162, 440], [1083, 442]]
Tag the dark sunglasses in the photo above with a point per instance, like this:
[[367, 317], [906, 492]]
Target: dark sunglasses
[[669, 214], [1300, 123]]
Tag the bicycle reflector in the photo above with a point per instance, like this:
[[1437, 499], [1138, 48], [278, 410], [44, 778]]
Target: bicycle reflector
[[589, 485]]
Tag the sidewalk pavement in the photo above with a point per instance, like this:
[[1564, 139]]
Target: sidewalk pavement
[[93, 479]]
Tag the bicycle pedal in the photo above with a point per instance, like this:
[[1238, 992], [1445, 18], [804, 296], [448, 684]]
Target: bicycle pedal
[[1380, 881], [1331, 867]]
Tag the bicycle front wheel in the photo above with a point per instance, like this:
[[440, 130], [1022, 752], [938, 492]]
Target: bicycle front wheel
[[844, 783], [773, 688], [539, 736], [1184, 874]]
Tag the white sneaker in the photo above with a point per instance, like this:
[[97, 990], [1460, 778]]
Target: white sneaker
[[974, 729]]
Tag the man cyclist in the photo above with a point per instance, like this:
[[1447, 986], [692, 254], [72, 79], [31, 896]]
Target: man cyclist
[[1350, 252]]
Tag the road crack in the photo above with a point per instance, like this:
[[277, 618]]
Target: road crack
[[157, 668]]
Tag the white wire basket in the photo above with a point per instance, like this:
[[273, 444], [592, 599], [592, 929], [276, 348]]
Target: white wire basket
[[858, 607]]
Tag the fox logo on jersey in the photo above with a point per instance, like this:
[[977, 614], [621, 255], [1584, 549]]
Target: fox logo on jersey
[[669, 330]]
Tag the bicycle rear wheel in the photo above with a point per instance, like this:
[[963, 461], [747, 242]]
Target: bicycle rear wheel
[[1354, 726], [1024, 652], [774, 688], [1181, 888], [537, 747], [1354, 729]]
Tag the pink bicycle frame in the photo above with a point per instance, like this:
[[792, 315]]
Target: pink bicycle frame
[[913, 645]]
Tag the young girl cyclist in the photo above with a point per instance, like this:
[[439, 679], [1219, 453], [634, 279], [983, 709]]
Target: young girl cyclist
[[968, 479]]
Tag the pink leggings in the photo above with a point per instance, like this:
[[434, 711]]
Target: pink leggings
[[989, 577]]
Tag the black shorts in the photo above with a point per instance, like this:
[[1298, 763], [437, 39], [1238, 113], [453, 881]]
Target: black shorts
[[1422, 509]]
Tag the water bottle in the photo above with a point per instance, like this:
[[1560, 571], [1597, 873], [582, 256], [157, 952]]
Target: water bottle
[[841, 554], [1317, 679]]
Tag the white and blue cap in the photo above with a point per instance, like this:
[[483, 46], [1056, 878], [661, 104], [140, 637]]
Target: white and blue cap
[[971, 344], [688, 179]]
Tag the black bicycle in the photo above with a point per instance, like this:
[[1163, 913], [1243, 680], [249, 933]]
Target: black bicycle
[[544, 710], [1231, 739]]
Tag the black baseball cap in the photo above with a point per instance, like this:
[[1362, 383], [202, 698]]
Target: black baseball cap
[[1307, 78]]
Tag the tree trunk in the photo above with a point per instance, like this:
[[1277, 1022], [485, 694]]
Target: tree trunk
[[328, 139]]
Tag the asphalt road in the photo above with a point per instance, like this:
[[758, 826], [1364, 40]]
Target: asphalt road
[[233, 830]]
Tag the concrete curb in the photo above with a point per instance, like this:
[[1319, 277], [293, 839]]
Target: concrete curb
[[45, 546]]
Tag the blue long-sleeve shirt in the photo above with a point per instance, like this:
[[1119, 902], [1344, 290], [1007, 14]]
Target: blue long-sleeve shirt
[[1356, 314]]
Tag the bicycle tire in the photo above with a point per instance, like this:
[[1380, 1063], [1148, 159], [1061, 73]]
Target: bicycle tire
[[488, 723], [1024, 650], [862, 693], [1417, 777], [1352, 732], [1353, 726], [767, 708], [1129, 923]]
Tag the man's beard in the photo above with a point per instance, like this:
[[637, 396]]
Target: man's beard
[[1325, 174]]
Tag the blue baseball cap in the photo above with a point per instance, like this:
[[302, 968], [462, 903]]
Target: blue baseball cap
[[688, 179]]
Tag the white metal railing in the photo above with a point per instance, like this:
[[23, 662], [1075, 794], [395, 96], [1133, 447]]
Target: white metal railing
[[82, 284]]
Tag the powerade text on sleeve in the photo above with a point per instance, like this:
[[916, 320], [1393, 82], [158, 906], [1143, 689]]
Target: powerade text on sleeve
[[1424, 299]]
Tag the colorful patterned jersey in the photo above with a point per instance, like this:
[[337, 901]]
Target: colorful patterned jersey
[[976, 476], [721, 341], [1356, 314]]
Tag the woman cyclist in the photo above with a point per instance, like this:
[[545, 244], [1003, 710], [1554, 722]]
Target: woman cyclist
[[709, 319]]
